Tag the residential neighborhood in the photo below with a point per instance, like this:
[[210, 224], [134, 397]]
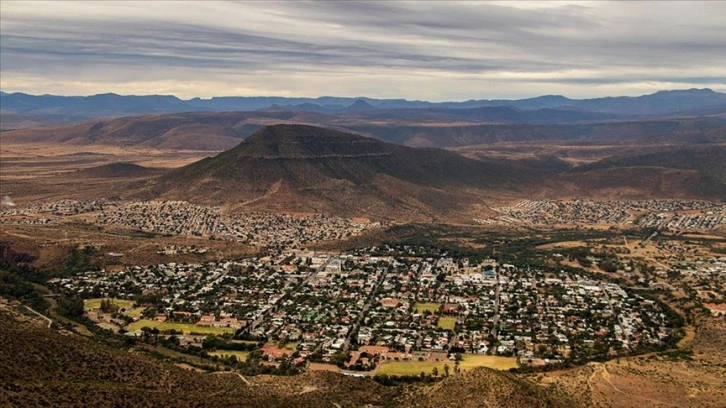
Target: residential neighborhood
[[363, 308], [673, 215]]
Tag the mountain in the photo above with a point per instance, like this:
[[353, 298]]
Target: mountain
[[435, 127], [205, 131], [59, 109], [311, 169], [490, 114], [680, 172], [451, 134], [359, 106], [659, 103]]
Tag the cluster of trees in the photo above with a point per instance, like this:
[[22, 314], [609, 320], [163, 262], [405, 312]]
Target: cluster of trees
[[14, 286], [220, 343]]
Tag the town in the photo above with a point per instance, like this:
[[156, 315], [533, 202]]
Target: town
[[181, 218], [371, 307], [672, 215]]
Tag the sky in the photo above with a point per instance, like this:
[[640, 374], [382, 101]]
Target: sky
[[425, 50]]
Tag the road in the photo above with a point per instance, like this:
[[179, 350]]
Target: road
[[495, 320], [233, 372], [268, 313], [354, 328], [50, 322]]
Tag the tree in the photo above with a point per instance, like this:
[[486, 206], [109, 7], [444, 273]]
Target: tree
[[435, 372], [446, 370], [70, 306]]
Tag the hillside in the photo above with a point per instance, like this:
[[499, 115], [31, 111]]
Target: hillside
[[310, 169], [707, 160], [430, 127], [185, 131], [484, 387], [42, 367], [452, 134], [119, 170]]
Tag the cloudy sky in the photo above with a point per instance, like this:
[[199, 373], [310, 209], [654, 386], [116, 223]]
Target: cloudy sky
[[415, 50]]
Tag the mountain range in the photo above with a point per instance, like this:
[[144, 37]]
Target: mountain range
[[19, 109], [217, 131]]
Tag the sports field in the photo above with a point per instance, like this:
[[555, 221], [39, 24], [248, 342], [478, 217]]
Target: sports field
[[447, 323], [431, 307], [468, 362], [96, 303], [186, 328], [413, 367]]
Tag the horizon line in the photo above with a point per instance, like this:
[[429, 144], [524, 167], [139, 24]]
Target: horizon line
[[361, 97]]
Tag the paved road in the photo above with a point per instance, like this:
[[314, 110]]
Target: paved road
[[268, 313], [495, 320], [354, 329]]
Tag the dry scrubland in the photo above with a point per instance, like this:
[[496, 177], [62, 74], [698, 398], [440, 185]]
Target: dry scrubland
[[653, 380]]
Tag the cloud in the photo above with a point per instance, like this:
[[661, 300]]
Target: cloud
[[431, 50]]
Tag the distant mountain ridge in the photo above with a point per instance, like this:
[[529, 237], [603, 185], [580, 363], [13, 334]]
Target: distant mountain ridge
[[217, 131], [57, 109]]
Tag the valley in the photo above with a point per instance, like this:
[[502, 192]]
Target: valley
[[534, 263]]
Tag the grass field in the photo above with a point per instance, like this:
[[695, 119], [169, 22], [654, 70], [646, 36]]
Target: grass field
[[96, 303], [186, 328], [134, 312], [468, 362], [421, 307], [413, 367], [241, 355], [447, 323]]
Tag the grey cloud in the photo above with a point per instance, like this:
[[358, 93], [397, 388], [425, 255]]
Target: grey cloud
[[615, 42]]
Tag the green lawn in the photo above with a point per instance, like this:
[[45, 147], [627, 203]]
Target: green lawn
[[431, 307], [241, 355], [468, 362], [447, 323], [96, 303], [186, 328]]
